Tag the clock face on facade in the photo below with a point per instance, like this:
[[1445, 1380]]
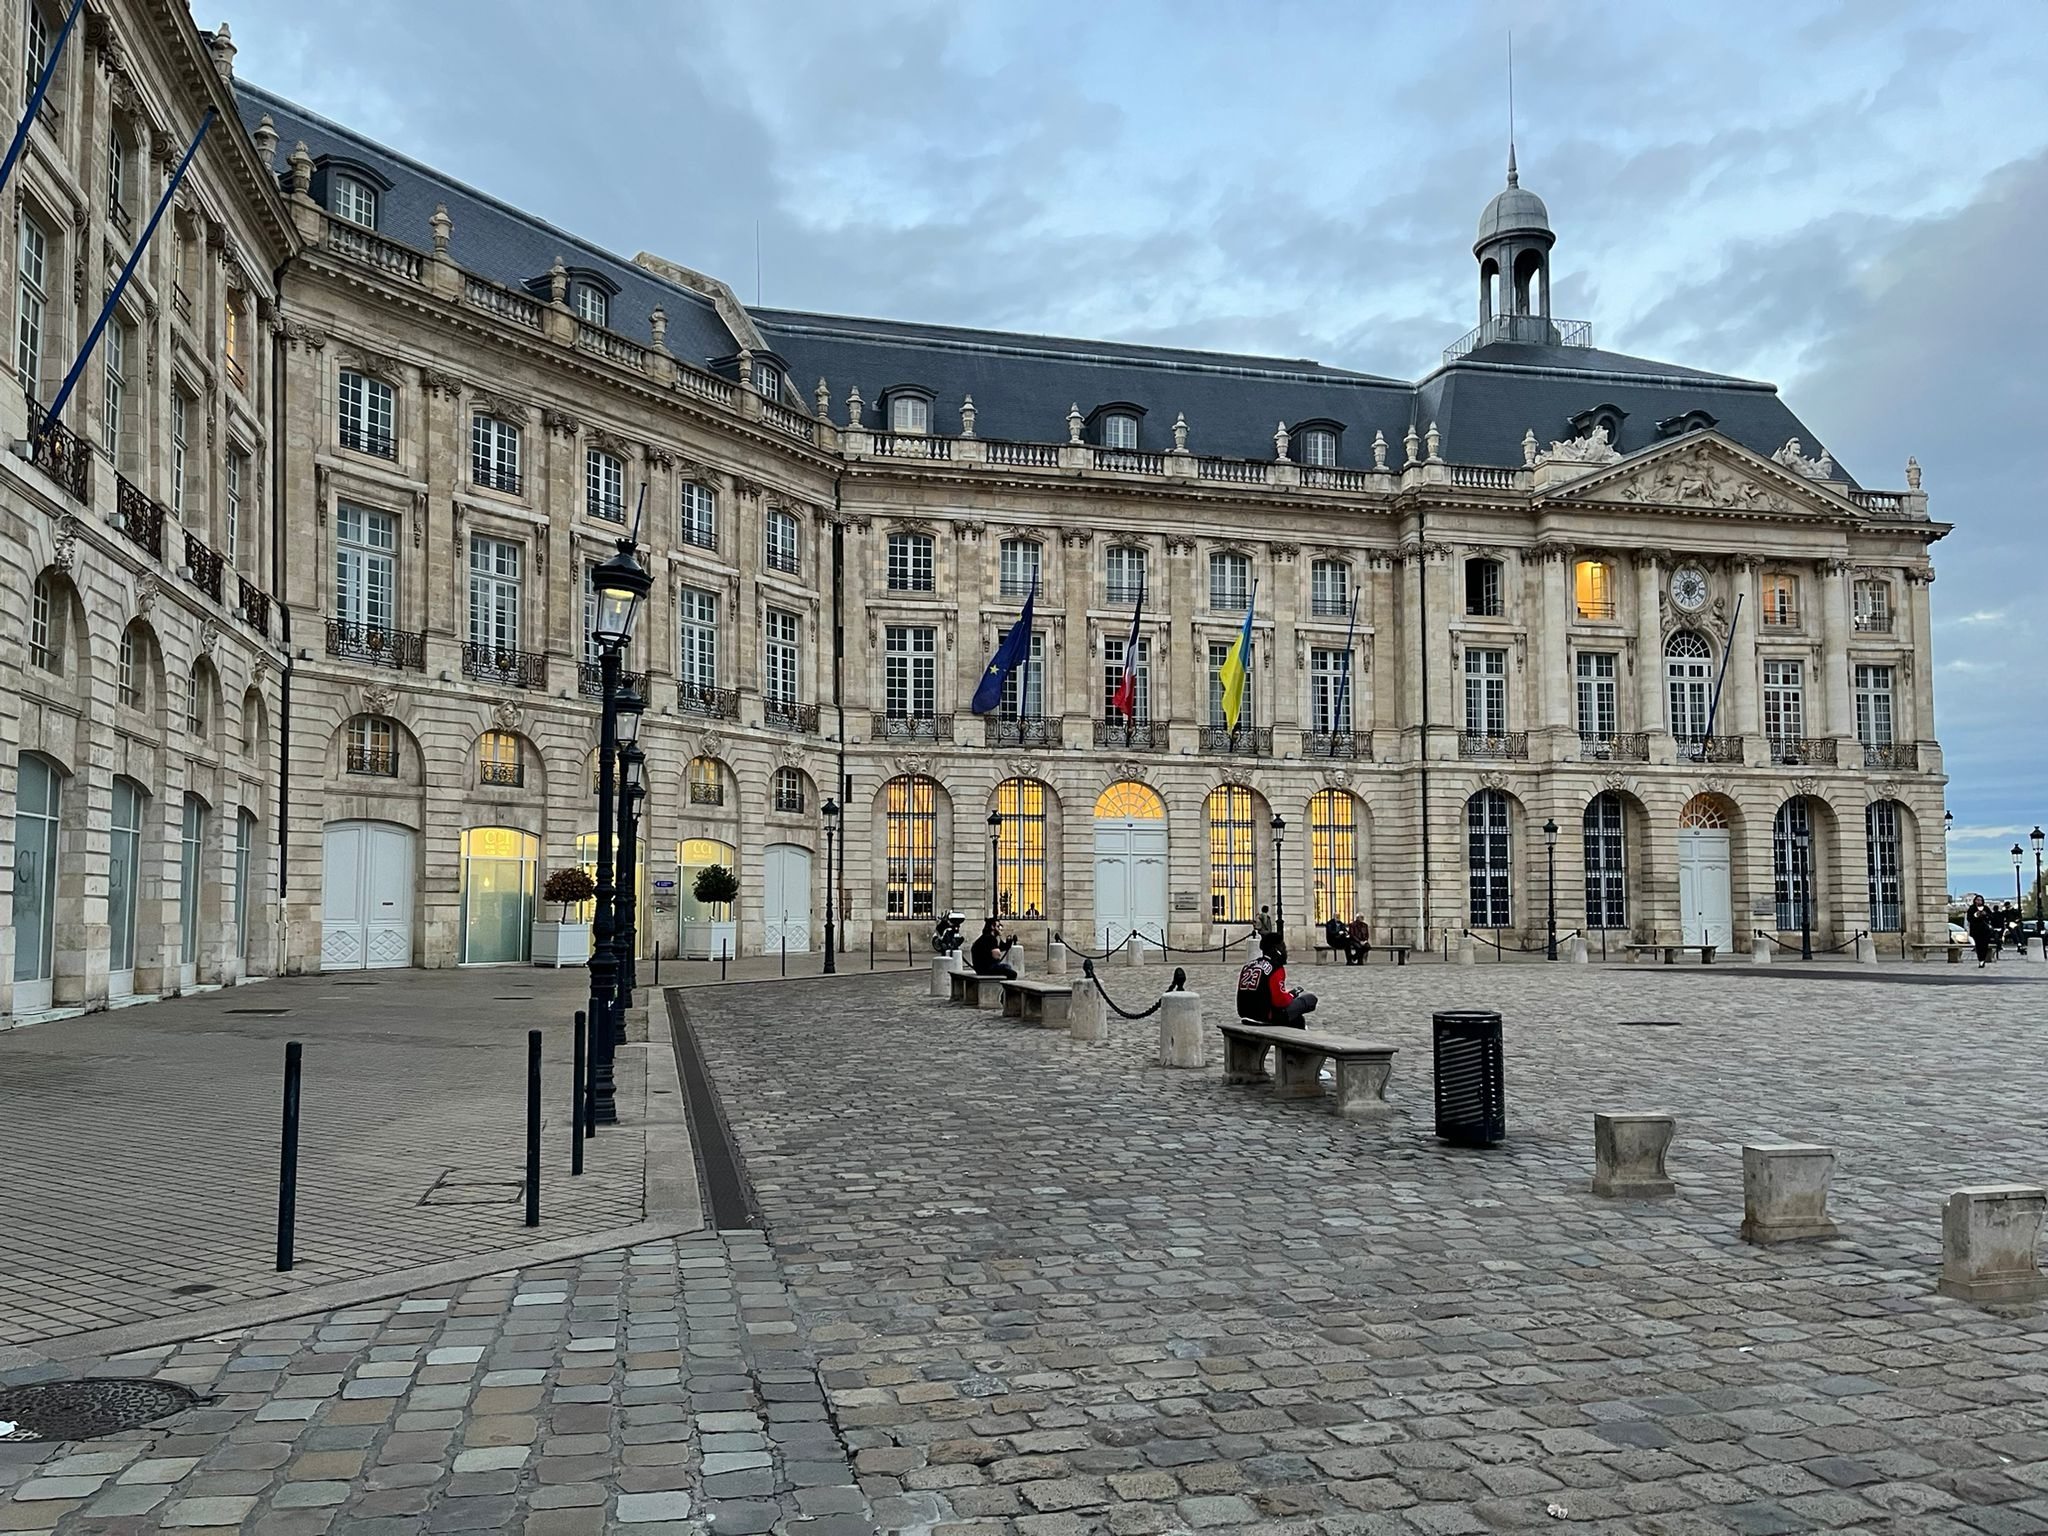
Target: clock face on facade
[[1689, 588]]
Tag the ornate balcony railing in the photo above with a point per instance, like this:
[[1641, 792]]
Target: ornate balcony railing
[[1129, 461], [783, 419], [1799, 751], [495, 477], [912, 445], [1891, 755], [1884, 503], [1482, 477], [1235, 471], [123, 219], [1781, 618], [788, 715], [181, 301], [1709, 749], [141, 519], [503, 775], [704, 699], [1023, 455], [590, 681], [892, 727], [58, 451], [1118, 593], [1615, 747], [377, 645], [707, 794], [359, 244], [1022, 731], [1330, 606], [1320, 478], [701, 532], [610, 345], [1486, 746], [785, 561], [1345, 746], [707, 386], [1131, 735], [381, 761], [1594, 607], [502, 302], [231, 365], [507, 667], [1245, 741], [254, 604], [1523, 330], [361, 439], [607, 509], [1874, 623], [203, 566]]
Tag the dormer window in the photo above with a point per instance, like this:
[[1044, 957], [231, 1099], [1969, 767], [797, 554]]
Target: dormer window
[[767, 382], [1319, 447], [592, 304], [1690, 421], [909, 413], [1120, 430], [355, 200]]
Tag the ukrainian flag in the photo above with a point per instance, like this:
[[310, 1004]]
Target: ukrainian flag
[[1237, 668]]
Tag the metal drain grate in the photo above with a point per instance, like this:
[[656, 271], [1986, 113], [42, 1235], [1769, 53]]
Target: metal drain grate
[[1647, 1024], [85, 1410], [261, 1013]]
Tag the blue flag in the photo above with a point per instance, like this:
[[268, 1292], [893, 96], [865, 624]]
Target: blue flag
[[1015, 649]]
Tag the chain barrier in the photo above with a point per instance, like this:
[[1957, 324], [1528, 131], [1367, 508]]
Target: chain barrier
[[1168, 949], [1520, 949], [1178, 984], [1835, 949], [1059, 938]]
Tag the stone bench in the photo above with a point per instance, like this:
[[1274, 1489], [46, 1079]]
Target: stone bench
[[974, 991], [1036, 1002], [1922, 951], [1324, 955], [1671, 952], [1363, 1067]]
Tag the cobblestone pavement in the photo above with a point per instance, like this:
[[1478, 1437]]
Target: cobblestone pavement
[[654, 1390], [138, 1148], [1054, 1288]]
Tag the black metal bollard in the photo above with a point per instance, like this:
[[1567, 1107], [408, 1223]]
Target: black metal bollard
[[785, 954], [288, 1158], [657, 962], [533, 1127], [576, 1093], [871, 949], [721, 961]]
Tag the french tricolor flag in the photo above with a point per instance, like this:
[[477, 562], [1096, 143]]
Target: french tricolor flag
[[1125, 699]]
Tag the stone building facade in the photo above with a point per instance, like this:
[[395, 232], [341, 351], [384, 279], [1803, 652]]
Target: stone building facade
[[1544, 585]]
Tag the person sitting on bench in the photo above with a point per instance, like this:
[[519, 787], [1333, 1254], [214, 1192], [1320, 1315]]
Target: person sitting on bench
[[987, 955], [1360, 935], [1336, 937], [1263, 996]]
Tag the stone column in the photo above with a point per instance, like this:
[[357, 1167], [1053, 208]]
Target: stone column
[[1919, 667], [1739, 705], [1836, 715], [1650, 715], [1552, 713]]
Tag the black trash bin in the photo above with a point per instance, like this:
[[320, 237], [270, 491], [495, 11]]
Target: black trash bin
[[1471, 1095]]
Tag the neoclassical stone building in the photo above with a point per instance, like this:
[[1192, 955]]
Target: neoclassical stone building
[[1546, 584]]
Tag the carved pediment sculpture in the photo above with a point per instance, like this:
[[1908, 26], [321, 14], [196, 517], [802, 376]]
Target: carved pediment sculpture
[[1594, 448], [1701, 479], [1822, 468]]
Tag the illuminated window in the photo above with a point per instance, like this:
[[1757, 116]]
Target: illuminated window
[[1128, 800], [1781, 600], [1231, 861], [1333, 854], [498, 760], [707, 784], [1020, 849], [910, 807], [1593, 589], [1487, 855]]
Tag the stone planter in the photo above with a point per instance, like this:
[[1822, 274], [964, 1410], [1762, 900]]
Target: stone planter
[[707, 940], [560, 944]]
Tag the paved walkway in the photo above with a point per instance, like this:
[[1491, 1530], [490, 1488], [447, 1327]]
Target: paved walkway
[[138, 1148]]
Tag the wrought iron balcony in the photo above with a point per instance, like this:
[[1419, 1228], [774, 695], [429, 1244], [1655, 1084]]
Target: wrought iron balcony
[[1800, 751], [783, 560], [788, 715], [1594, 608], [58, 451], [704, 699], [1486, 746], [204, 565], [380, 761], [590, 681], [1892, 755], [1131, 735], [1343, 746], [254, 604], [507, 667], [1782, 617], [361, 439], [1709, 749], [1874, 623], [1330, 605], [609, 509], [1245, 741], [701, 533], [503, 775], [1022, 730], [1522, 330], [1116, 592], [1615, 747], [495, 477], [707, 794], [895, 727], [377, 645], [140, 519]]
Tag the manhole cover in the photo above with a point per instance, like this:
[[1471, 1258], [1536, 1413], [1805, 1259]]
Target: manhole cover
[[85, 1410]]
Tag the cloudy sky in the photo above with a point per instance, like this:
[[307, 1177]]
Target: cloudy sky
[[1849, 199]]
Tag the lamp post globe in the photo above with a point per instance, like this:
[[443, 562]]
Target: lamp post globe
[[830, 810], [621, 583], [1550, 862]]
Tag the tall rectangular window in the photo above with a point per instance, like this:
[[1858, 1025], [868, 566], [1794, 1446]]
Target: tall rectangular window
[[1784, 701], [1595, 674], [1024, 688], [1483, 588], [604, 486], [234, 475], [1781, 600], [365, 407], [1330, 589], [698, 515], [911, 874], [31, 300], [783, 541], [1873, 600], [780, 656], [35, 47], [1113, 675], [1230, 582], [1606, 857], [1124, 568], [697, 638], [117, 176], [1233, 873], [494, 453], [1219, 652], [1329, 690], [1486, 692], [1874, 705], [42, 603], [114, 408], [910, 562], [1018, 564], [494, 594], [910, 679], [1593, 589], [365, 568], [181, 410]]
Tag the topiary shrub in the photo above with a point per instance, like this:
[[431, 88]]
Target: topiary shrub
[[569, 887], [716, 886]]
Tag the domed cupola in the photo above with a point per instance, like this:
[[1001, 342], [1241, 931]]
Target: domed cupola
[[1513, 248]]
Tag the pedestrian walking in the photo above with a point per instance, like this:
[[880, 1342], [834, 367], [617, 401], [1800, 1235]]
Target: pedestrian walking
[[1264, 923], [1983, 929]]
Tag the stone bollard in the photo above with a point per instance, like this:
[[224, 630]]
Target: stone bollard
[[1087, 1014], [1137, 952], [1628, 1155], [1467, 951], [1056, 959], [1181, 1041], [1785, 1191], [1575, 949], [1989, 1237], [1866, 949], [943, 967], [1759, 949]]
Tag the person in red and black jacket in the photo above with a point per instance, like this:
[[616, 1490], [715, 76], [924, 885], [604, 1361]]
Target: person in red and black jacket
[[1263, 996]]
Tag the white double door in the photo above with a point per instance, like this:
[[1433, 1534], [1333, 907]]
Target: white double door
[[1130, 881], [786, 898], [366, 896], [1703, 887]]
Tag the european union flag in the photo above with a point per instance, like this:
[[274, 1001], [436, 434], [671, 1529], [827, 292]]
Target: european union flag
[[1015, 649]]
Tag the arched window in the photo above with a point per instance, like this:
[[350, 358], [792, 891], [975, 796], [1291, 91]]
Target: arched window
[[1119, 430], [498, 869], [126, 683], [191, 868], [373, 747], [38, 810], [355, 200], [910, 808], [1128, 800], [494, 453], [593, 304], [1886, 866], [1019, 563], [1488, 856], [1319, 447], [1333, 853], [707, 783], [1792, 863], [245, 859], [499, 761], [124, 883], [46, 624], [1688, 673], [1606, 863], [1231, 861], [1020, 849], [788, 790]]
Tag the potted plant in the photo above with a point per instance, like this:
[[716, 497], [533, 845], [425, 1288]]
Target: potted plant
[[563, 942], [713, 932]]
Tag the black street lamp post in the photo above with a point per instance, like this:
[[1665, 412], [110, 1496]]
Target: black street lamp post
[[995, 863], [1802, 850], [1279, 880], [1550, 857], [621, 584], [2037, 837], [2019, 899], [831, 809], [632, 789]]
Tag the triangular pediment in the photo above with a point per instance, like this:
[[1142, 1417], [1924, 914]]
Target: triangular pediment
[[1703, 472]]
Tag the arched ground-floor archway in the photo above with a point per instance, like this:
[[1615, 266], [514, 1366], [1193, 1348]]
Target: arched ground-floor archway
[[1130, 864], [1706, 826], [367, 875]]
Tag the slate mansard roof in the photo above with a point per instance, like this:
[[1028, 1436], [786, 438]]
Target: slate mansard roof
[[1023, 384]]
